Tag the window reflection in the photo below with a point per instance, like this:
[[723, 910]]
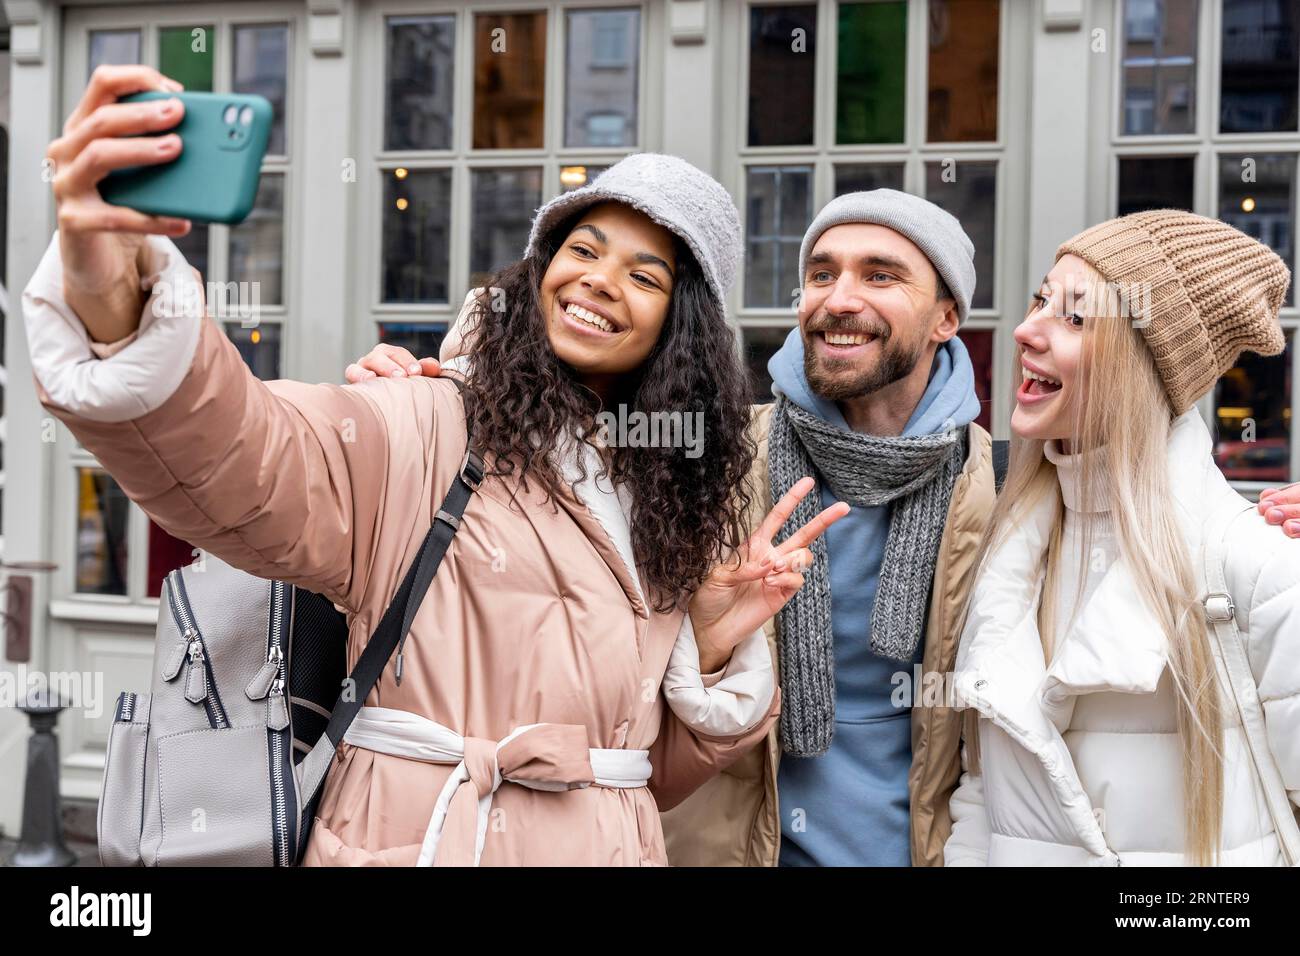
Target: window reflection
[[962, 72], [421, 339], [1160, 66], [112, 47], [502, 202], [778, 208], [860, 177], [509, 80], [1260, 67], [782, 74], [185, 54], [1253, 407], [259, 347], [416, 235], [262, 67], [968, 190], [1257, 195], [871, 72], [1155, 182], [102, 511], [575, 177], [761, 343], [257, 243], [602, 60], [420, 69]]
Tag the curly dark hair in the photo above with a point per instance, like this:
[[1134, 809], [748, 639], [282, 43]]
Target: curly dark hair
[[687, 513]]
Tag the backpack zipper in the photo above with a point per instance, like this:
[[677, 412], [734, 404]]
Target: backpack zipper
[[277, 724], [125, 707], [200, 683]]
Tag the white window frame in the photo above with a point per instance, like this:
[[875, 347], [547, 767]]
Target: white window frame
[[1008, 151], [1206, 145], [461, 158]]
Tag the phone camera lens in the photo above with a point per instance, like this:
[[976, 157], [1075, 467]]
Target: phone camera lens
[[246, 116], [230, 114]]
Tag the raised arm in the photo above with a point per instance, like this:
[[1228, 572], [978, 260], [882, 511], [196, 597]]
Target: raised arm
[[282, 479]]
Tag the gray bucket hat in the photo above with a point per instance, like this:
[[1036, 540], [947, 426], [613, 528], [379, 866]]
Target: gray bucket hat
[[678, 196]]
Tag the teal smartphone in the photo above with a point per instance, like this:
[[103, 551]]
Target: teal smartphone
[[214, 179]]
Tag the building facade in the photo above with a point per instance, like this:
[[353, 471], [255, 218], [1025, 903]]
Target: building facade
[[414, 138]]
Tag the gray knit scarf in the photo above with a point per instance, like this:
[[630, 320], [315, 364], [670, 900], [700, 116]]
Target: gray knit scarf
[[917, 475]]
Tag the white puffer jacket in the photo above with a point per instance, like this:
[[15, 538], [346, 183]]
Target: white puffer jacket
[[1080, 761]]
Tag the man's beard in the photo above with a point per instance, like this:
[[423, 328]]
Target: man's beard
[[827, 380]]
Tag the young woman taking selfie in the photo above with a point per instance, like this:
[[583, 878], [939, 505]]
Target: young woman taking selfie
[[599, 606], [1123, 717]]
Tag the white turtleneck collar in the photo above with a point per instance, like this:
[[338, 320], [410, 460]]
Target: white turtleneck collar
[[1069, 476]]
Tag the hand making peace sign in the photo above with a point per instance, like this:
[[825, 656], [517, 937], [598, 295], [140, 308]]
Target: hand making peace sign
[[732, 602]]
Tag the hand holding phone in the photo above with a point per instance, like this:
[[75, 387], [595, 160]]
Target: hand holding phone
[[214, 178], [99, 243]]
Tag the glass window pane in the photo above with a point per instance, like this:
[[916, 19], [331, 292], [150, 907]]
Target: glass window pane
[[962, 74], [778, 208], [257, 243], [416, 244], [420, 69], [871, 72], [782, 74], [509, 80], [1159, 77], [602, 60], [166, 554], [575, 177], [1253, 408], [113, 46], [102, 510], [761, 343], [185, 54], [861, 177], [1260, 66], [259, 347], [1257, 195], [421, 339], [971, 196], [262, 66], [979, 345], [1155, 182], [502, 202]]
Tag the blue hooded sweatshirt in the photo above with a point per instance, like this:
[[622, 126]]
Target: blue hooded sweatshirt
[[849, 807]]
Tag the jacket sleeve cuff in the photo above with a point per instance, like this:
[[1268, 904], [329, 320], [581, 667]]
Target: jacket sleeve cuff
[[122, 380], [726, 703]]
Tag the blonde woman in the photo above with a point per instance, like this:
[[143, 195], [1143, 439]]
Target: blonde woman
[[1103, 729]]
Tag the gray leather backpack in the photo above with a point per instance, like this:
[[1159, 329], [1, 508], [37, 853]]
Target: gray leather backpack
[[223, 761]]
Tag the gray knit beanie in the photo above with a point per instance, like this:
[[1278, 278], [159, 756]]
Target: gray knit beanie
[[935, 231], [673, 193]]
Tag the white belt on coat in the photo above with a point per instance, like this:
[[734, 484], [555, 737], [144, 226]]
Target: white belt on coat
[[538, 756]]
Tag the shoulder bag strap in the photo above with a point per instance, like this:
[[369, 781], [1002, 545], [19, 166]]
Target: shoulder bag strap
[[396, 622], [1220, 614]]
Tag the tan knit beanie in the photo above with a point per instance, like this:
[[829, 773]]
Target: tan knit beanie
[[1211, 292]]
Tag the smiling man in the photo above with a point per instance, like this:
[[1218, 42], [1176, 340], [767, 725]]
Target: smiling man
[[875, 396]]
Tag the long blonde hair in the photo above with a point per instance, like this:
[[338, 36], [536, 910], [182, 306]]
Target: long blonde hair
[[1130, 422]]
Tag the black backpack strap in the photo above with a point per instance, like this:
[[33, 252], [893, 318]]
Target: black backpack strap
[[396, 622], [1001, 457]]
